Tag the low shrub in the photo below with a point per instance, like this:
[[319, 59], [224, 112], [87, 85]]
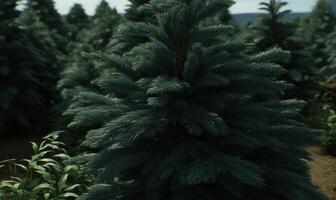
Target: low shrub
[[329, 138], [46, 176]]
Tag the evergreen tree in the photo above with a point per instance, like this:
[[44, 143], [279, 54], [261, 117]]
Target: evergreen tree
[[328, 72], [188, 115], [103, 25], [224, 17], [321, 21], [316, 27], [28, 70], [79, 73], [272, 31], [133, 13], [77, 20], [46, 11], [78, 76]]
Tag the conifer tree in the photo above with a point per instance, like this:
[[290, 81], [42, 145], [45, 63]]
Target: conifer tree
[[328, 72], [133, 14], [188, 115], [80, 72], [28, 70], [272, 31], [46, 11], [316, 27], [321, 21], [77, 20], [104, 23]]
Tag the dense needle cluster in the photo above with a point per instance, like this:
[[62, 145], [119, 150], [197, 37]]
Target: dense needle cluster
[[189, 115]]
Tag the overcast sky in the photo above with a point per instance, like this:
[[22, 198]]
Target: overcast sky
[[241, 6]]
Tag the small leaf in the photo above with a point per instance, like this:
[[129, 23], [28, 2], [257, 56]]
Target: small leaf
[[72, 187], [62, 156], [69, 194], [21, 166], [8, 161], [45, 186], [7, 184], [35, 147], [62, 181], [71, 168], [46, 196]]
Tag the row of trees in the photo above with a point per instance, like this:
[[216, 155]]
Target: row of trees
[[167, 101], [36, 42]]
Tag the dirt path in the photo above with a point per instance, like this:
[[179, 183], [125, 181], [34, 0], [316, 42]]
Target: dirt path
[[323, 171]]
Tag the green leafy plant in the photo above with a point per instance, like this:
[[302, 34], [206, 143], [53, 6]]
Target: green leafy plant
[[45, 176], [329, 138]]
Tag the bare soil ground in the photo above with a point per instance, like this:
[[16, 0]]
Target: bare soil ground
[[323, 171], [16, 146]]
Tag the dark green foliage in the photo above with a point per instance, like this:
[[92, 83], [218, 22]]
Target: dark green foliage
[[320, 22], [78, 74], [272, 31], [103, 25], [28, 72], [316, 27], [133, 13], [329, 138], [189, 115], [47, 13], [328, 72], [77, 20]]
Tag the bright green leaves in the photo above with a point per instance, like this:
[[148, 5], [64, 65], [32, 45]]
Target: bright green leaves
[[44, 176]]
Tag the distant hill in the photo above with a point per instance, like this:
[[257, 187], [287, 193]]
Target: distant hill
[[243, 18]]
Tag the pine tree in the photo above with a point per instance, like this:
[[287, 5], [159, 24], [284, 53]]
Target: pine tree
[[46, 11], [103, 25], [189, 115], [328, 71], [77, 20], [27, 73], [272, 31], [80, 73], [133, 13], [321, 20], [316, 27]]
